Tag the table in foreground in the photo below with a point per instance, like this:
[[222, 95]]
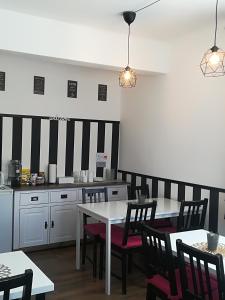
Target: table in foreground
[[18, 262], [115, 213], [193, 237]]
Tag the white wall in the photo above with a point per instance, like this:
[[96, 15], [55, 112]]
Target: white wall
[[173, 126], [19, 98], [75, 43]]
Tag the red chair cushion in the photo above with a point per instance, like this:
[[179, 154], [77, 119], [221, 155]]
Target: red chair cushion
[[170, 229], [94, 229], [158, 223], [163, 284], [117, 238]]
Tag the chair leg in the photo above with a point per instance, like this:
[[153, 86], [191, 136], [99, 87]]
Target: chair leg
[[150, 295], [84, 248], [101, 260], [124, 273], [95, 244], [130, 262]]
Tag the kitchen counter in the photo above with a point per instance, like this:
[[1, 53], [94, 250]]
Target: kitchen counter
[[69, 185]]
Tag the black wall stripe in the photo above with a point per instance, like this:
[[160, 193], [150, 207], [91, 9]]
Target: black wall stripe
[[196, 193], [0, 143], [133, 185], [181, 192], [69, 148], [115, 146], [35, 145], [167, 189], [53, 142], [154, 188], [100, 144], [85, 146], [17, 138], [124, 176], [213, 210]]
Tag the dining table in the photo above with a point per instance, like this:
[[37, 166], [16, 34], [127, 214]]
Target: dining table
[[15, 263], [114, 212]]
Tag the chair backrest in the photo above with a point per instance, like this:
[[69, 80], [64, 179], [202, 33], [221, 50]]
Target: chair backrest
[[94, 195], [192, 215], [158, 255], [142, 190], [138, 213], [22, 280], [196, 281]]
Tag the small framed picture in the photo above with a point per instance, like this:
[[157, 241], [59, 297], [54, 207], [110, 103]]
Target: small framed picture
[[39, 85], [72, 89], [102, 92], [2, 81]]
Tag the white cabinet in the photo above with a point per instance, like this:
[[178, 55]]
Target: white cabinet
[[33, 227], [48, 216], [62, 223]]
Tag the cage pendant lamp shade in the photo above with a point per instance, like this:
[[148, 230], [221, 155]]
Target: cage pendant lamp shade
[[213, 62], [127, 78]]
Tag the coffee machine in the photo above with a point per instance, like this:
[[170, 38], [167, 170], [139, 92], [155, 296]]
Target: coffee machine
[[14, 172]]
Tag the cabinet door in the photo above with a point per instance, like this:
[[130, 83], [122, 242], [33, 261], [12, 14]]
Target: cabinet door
[[33, 226], [63, 223]]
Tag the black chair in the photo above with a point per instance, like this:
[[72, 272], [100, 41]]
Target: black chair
[[92, 230], [191, 216], [196, 280], [162, 277], [125, 241], [22, 280]]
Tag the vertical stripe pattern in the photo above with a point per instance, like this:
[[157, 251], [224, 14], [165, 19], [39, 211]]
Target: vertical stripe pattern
[[53, 142], [35, 145], [115, 146], [101, 144], [85, 146], [17, 138], [69, 148]]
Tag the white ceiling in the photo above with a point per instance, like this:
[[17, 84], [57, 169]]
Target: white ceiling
[[164, 21]]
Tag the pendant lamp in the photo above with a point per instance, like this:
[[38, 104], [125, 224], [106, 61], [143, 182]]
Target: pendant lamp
[[213, 62], [127, 77]]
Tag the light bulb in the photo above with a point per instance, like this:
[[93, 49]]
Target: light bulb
[[214, 59], [127, 75]]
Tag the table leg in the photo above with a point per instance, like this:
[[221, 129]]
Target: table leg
[[78, 219], [108, 258], [40, 297]]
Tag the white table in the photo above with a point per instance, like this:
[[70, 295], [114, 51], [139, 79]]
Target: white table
[[115, 213], [18, 262]]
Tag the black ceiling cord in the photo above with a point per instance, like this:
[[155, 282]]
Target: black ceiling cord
[[146, 6]]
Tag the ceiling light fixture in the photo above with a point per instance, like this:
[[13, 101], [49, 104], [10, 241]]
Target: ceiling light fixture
[[127, 77], [212, 64]]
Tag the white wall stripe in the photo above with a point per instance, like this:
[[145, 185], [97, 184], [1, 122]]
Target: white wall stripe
[[26, 143], [174, 191], [188, 193], [6, 144], [61, 149], [44, 146], [108, 143], [161, 186], [93, 147], [77, 146]]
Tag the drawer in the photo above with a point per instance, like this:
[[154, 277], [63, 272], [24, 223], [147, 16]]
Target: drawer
[[63, 196], [33, 198], [117, 193]]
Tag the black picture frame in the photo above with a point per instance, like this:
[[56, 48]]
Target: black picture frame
[[102, 92], [72, 89], [2, 81], [39, 85]]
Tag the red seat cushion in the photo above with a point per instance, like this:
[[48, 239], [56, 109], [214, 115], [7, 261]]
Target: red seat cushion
[[163, 284], [158, 223], [170, 229], [94, 229], [117, 234]]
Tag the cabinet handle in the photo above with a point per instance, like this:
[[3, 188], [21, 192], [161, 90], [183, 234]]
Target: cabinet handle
[[34, 198], [46, 224], [114, 192], [53, 224], [64, 196]]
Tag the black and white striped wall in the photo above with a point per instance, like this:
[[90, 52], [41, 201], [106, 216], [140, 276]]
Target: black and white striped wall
[[72, 145]]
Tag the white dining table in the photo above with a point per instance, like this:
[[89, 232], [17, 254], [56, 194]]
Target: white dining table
[[192, 237], [18, 262], [114, 212]]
